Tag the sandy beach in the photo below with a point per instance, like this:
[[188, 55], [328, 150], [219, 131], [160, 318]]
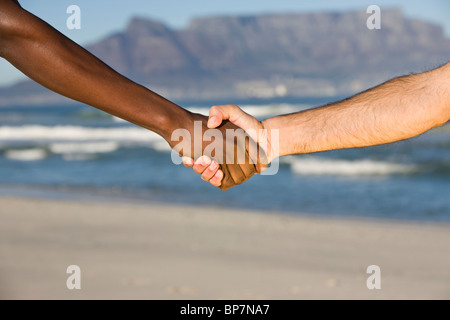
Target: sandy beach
[[140, 251]]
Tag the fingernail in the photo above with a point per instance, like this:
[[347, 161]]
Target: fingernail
[[187, 160], [213, 165], [210, 122], [205, 161]]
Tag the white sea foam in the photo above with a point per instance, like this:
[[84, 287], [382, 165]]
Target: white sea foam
[[259, 111], [320, 166], [26, 154], [161, 146], [87, 147], [272, 110], [76, 133], [117, 119], [78, 156]]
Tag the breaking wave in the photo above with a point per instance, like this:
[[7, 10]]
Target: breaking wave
[[76, 133], [320, 166], [34, 154]]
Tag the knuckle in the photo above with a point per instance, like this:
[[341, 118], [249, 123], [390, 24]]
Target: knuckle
[[215, 183], [198, 170], [206, 176], [252, 170]]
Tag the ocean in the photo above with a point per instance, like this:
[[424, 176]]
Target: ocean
[[78, 152]]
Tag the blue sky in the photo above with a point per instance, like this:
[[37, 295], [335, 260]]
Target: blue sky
[[101, 17]]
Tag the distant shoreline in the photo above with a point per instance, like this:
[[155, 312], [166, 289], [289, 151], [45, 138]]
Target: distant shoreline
[[87, 196]]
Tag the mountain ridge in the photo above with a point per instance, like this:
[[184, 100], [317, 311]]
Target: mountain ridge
[[262, 56]]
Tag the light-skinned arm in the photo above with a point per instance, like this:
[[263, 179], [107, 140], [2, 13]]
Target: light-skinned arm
[[398, 109]]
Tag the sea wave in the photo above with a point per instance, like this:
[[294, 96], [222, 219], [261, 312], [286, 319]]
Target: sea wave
[[273, 110], [367, 167], [76, 133], [78, 156], [259, 111], [161, 146], [83, 148], [34, 154]]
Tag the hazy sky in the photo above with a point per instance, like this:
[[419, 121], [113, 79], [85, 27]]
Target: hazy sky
[[101, 17]]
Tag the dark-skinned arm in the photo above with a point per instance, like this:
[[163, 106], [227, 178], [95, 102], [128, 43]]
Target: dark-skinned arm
[[56, 62], [51, 59]]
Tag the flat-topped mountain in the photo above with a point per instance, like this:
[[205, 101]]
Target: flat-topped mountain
[[295, 54]]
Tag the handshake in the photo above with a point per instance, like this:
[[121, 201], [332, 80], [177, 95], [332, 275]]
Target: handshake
[[230, 150], [230, 146], [243, 146]]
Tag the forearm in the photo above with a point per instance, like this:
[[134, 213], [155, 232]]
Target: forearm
[[398, 109], [51, 59]]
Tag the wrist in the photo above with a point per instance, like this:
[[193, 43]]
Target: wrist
[[175, 119], [272, 139], [155, 112]]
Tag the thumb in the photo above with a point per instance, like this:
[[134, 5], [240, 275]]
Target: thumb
[[216, 115], [227, 112], [215, 119], [246, 122]]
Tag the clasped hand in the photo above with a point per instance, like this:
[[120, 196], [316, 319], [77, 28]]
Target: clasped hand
[[246, 147]]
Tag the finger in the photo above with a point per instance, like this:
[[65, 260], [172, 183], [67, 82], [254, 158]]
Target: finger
[[248, 170], [227, 180], [187, 162], [216, 181], [214, 121], [256, 156], [201, 164], [235, 115], [225, 112], [236, 173], [210, 171], [243, 158]]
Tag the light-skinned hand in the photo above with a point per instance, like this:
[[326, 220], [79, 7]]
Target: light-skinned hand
[[207, 168]]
